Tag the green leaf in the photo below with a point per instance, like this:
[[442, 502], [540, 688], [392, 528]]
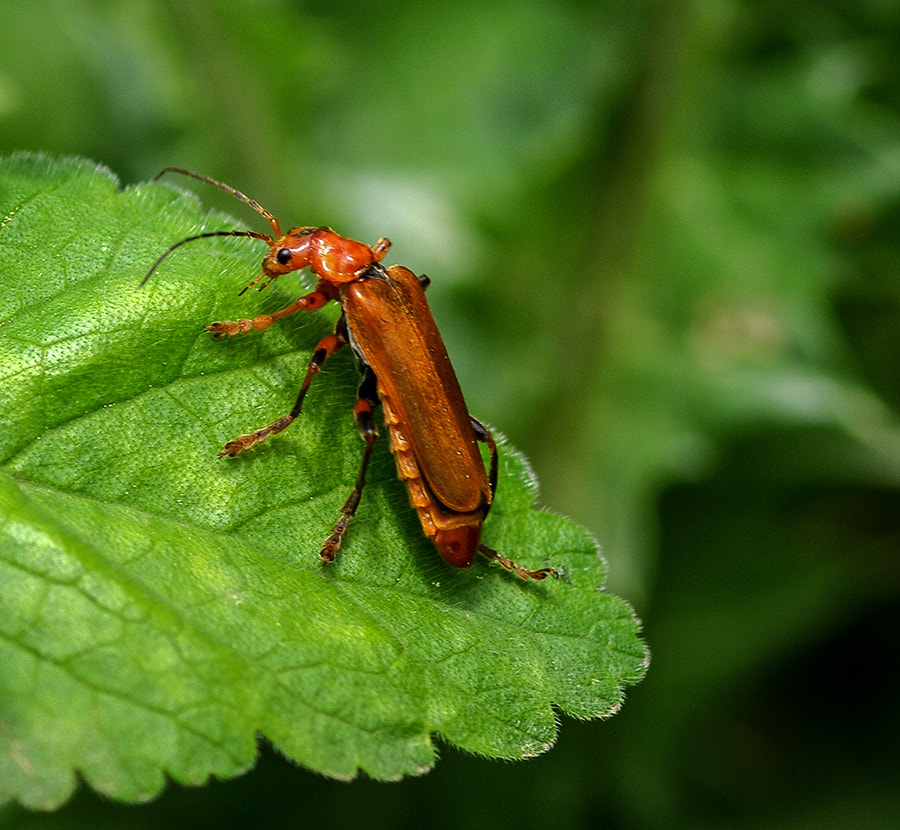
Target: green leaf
[[160, 607]]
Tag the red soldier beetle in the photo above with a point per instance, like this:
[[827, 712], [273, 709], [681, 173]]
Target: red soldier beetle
[[405, 368]]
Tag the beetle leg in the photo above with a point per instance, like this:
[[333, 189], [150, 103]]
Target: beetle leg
[[518, 570], [229, 328], [365, 423], [483, 434], [326, 347]]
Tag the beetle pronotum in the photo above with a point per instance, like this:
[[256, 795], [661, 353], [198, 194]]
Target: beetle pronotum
[[386, 320]]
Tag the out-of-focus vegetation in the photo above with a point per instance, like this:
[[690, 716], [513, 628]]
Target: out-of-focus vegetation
[[664, 245]]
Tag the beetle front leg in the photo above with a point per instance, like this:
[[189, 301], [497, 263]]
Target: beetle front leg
[[365, 423], [229, 328], [326, 347]]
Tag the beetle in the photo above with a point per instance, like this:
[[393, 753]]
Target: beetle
[[404, 367]]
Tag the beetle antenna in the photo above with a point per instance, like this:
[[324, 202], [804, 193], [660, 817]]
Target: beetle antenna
[[276, 228], [251, 234]]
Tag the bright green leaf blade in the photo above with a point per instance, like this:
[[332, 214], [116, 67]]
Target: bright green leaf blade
[[161, 607]]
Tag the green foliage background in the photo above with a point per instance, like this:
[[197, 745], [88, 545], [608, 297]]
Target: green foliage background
[[664, 244]]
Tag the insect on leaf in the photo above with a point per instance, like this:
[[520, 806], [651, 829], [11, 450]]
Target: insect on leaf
[[161, 607]]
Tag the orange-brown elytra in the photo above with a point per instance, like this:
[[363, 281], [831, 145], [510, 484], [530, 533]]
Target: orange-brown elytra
[[405, 368]]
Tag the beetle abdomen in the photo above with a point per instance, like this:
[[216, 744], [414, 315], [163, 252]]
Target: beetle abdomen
[[456, 535]]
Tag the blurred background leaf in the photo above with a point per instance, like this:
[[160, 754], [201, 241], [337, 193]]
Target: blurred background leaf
[[664, 244]]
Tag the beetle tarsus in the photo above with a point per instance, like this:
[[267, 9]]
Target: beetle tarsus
[[333, 543], [229, 328], [245, 442], [523, 573], [330, 548]]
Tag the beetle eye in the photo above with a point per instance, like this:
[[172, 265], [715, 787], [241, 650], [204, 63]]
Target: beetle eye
[[283, 256]]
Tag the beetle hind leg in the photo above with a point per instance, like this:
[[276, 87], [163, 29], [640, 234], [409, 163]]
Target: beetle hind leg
[[512, 567], [484, 435]]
